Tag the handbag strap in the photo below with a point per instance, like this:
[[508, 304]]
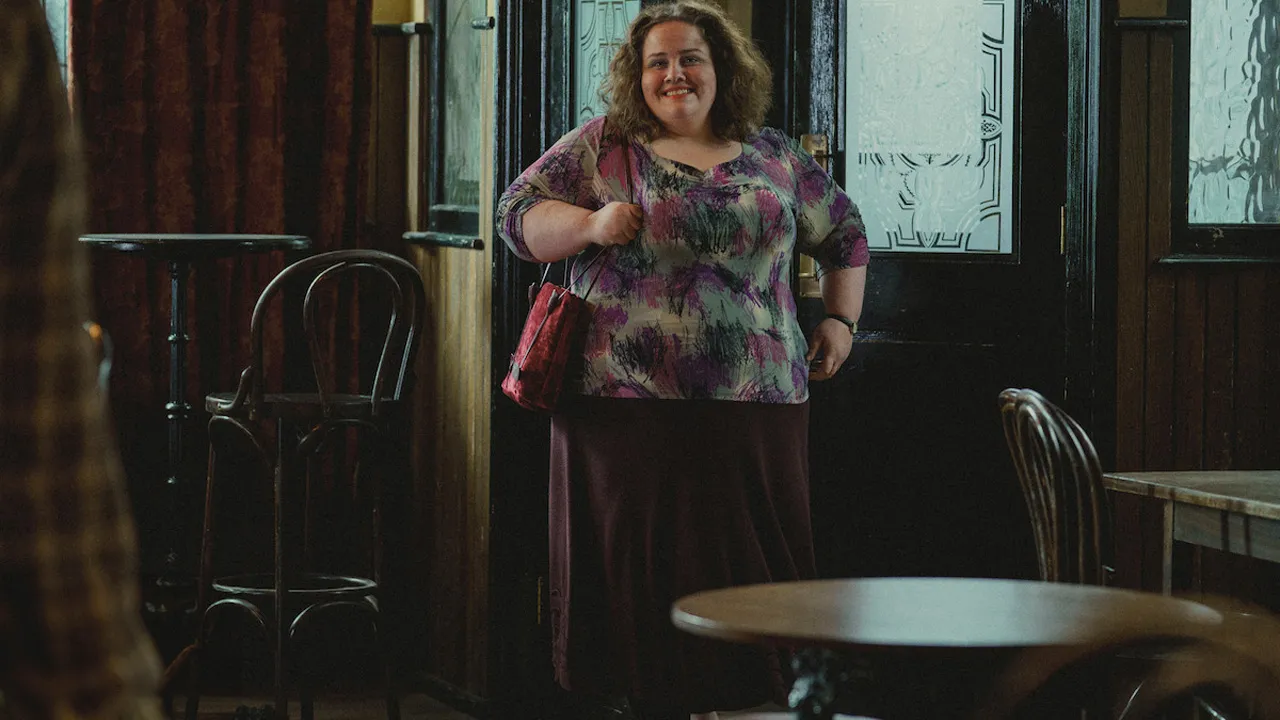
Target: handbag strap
[[571, 278]]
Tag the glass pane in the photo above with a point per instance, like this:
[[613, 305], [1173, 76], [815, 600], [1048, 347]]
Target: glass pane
[[931, 123], [1235, 110], [599, 25], [462, 73], [56, 12]]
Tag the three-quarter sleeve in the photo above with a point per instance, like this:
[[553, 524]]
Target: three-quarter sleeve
[[566, 172], [829, 226]]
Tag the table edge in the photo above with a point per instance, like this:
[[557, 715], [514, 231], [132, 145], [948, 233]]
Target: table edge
[[1130, 485], [228, 244]]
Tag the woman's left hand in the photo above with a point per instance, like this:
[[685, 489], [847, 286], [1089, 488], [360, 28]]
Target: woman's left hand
[[831, 343]]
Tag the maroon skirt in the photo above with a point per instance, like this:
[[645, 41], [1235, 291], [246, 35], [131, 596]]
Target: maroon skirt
[[651, 500]]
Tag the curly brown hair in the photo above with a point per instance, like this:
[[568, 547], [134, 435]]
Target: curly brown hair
[[744, 84]]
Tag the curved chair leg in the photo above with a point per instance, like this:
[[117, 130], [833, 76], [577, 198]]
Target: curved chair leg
[[284, 457], [392, 685], [194, 685]]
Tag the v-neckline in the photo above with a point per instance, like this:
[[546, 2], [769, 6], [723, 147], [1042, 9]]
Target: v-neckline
[[693, 169]]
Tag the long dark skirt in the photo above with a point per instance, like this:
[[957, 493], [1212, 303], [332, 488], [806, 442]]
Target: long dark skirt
[[652, 500]]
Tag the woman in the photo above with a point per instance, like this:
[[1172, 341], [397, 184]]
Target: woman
[[681, 464]]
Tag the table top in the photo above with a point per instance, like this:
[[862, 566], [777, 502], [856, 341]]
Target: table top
[[195, 244], [1250, 492], [932, 613]]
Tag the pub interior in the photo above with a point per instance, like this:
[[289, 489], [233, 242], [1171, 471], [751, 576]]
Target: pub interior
[[1077, 197]]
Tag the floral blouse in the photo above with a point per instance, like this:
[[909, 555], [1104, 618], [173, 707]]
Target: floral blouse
[[699, 304]]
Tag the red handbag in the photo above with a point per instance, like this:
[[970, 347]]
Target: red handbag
[[550, 345]]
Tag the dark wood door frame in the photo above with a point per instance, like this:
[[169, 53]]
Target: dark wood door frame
[[534, 87], [1091, 220]]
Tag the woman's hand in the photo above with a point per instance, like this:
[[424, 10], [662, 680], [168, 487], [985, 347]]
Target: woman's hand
[[614, 224], [831, 342]]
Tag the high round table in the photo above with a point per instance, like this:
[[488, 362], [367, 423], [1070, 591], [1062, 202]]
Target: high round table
[[936, 621], [180, 250]]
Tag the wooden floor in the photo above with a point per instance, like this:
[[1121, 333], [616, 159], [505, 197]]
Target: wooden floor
[[412, 707]]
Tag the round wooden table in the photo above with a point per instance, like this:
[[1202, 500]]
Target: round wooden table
[[925, 620]]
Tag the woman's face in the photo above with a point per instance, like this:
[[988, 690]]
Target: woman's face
[[678, 79]]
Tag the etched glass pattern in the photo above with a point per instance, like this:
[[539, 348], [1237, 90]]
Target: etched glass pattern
[[599, 26], [930, 123], [56, 13], [1234, 89], [463, 71]]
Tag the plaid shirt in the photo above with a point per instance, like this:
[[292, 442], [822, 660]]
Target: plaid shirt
[[72, 644]]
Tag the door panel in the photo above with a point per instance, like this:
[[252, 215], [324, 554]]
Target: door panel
[[910, 472], [452, 245]]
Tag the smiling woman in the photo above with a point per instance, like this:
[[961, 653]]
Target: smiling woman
[[680, 461]]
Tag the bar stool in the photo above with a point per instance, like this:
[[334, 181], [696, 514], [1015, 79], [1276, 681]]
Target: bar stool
[[304, 423]]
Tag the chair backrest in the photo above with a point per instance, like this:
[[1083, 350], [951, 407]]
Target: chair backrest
[[1223, 670], [402, 284], [1061, 480]]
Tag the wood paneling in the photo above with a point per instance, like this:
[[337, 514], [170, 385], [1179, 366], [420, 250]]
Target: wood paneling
[[453, 427], [1143, 8], [1160, 309], [451, 424], [393, 11], [1196, 345], [1131, 292], [448, 552]]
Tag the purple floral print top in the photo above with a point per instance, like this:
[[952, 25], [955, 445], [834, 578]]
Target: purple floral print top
[[699, 304]]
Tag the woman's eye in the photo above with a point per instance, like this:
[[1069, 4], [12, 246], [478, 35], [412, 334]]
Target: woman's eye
[[691, 60], [657, 63]]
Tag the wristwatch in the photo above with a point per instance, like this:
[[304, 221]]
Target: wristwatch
[[851, 324]]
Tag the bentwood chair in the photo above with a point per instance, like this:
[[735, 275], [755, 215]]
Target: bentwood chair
[[1061, 478], [1061, 481], [290, 602]]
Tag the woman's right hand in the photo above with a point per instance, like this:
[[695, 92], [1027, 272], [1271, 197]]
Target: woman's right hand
[[614, 224]]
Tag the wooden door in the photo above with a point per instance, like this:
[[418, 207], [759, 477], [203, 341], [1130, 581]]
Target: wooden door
[[909, 469], [452, 244]]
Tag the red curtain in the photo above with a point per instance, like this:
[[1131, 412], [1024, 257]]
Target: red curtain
[[236, 116]]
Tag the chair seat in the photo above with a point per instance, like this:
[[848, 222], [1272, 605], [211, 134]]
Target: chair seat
[[304, 407], [307, 584]]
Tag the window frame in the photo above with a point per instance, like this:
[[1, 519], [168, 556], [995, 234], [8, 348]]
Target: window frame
[[1230, 242], [447, 225]]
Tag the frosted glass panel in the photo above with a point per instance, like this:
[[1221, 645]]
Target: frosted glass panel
[[463, 70], [1235, 113], [930, 122], [599, 25]]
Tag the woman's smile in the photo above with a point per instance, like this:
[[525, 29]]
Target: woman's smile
[[679, 78]]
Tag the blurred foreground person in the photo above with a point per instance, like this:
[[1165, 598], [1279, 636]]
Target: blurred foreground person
[[72, 643]]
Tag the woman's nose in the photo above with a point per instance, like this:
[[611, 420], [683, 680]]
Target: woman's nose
[[674, 72]]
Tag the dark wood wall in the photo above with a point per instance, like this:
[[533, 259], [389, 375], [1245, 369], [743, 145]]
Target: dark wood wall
[[1197, 343]]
